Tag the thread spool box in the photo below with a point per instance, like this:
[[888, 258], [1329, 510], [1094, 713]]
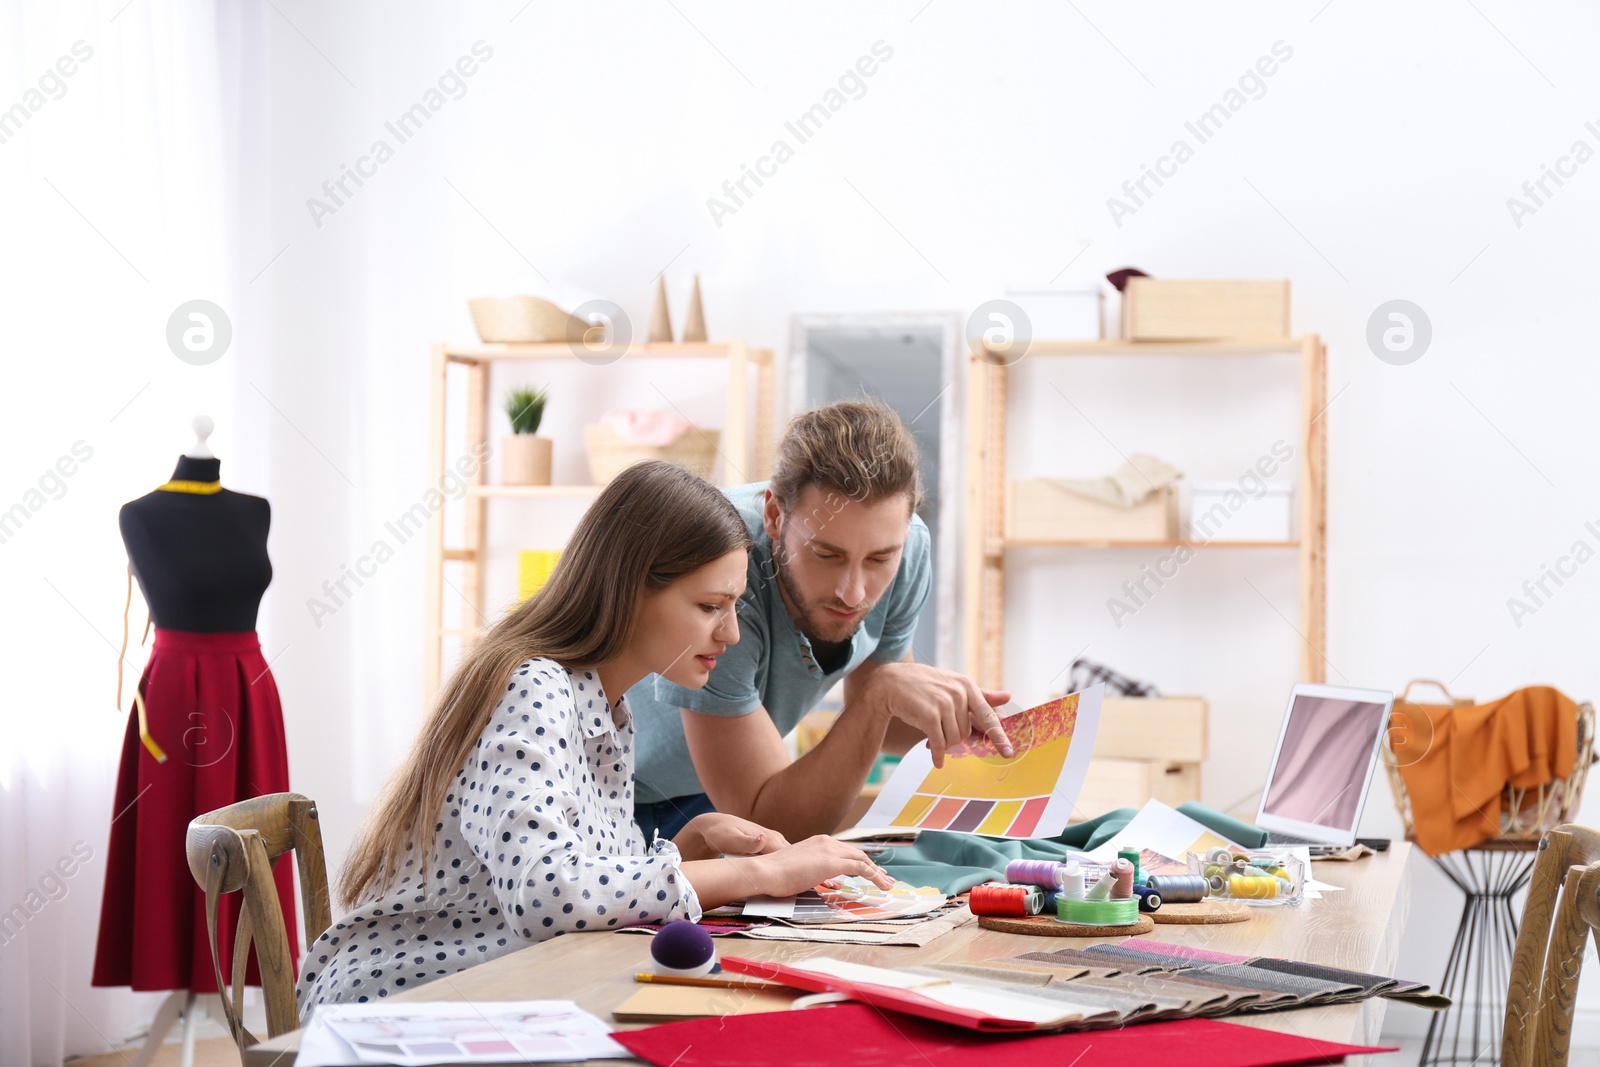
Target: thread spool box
[[1264, 877]]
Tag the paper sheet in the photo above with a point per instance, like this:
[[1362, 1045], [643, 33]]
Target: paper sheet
[[981, 792], [1164, 830], [428, 1032]]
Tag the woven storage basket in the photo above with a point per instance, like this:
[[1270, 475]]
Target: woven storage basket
[[514, 320], [1526, 813], [609, 454]]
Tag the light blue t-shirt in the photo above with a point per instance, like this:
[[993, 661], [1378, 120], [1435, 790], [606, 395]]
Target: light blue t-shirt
[[772, 666]]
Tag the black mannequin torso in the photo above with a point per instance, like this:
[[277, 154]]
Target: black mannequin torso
[[201, 559]]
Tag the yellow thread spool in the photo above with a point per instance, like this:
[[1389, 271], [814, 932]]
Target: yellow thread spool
[[1245, 886]]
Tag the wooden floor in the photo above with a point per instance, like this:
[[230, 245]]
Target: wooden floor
[[208, 1052]]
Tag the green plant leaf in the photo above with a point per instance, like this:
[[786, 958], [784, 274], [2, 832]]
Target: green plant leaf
[[525, 407]]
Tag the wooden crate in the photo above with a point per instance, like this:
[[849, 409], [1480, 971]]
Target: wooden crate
[[1163, 729], [1122, 783], [1147, 748], [1166, 309], [1040, 510]]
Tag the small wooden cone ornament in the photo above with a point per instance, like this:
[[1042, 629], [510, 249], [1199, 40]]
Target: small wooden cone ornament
[[660, 319], [694, 322]]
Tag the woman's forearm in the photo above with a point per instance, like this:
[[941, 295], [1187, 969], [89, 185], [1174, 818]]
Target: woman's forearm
[[722, 881]]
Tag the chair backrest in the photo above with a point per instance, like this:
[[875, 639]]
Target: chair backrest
[[1563, 903], [233, 849]]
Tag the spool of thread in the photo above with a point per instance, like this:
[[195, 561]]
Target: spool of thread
[[1006, 901], [1132, 856], [1122, 875], [1101, 890], [1071, 875], [1099, 912], [1252, 888], [1179, 888], [1041, 873], [1219, 856], [1149, 899]]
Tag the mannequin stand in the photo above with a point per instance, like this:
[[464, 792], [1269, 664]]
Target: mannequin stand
[[180, 1003]]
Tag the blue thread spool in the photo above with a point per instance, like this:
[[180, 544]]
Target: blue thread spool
[[1149, 899]]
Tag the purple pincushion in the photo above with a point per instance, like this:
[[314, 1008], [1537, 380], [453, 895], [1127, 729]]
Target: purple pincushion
[[682, 948]]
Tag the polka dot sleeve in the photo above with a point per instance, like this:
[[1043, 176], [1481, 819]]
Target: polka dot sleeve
[[548, 811]]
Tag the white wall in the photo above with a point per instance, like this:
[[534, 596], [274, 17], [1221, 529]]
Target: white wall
[[1375, 166]]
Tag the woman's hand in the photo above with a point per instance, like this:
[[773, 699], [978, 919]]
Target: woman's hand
[[716, 834], [815, 860]]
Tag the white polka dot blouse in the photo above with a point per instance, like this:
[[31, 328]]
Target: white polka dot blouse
[[537, 839]]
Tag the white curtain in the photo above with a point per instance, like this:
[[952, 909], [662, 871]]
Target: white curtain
[[114, 173]]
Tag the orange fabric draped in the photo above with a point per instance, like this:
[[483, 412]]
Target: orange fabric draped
[[1469, 754]]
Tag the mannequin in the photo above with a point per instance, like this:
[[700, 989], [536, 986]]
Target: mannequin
[[208, 731]]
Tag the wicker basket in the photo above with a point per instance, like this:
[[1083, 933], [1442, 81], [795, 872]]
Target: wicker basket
[[610, 455], [523, 320], [1526, 813]]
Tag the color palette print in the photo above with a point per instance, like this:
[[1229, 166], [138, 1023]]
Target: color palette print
[[979, 791]]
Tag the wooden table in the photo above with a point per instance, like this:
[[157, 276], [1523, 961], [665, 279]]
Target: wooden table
[[1358, 928]]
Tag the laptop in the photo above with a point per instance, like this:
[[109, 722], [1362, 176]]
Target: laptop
[[1327, 751]]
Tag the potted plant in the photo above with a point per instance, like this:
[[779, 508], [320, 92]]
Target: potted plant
[[525, 456]]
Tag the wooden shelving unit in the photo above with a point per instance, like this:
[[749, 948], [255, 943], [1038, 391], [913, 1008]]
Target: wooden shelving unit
[[987, 542], [739, 453]]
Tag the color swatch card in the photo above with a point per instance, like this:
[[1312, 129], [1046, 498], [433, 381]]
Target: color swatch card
[[979, 791], [849, 899]]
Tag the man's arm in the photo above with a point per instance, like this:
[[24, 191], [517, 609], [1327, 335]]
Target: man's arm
[[745, 766]]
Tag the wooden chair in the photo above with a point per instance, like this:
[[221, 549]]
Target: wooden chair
[[233, 849], [1550, 947]]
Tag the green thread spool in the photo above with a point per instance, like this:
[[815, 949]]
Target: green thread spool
[[1098, 912]]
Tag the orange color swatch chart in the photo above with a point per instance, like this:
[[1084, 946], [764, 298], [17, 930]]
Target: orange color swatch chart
[[979, 791]]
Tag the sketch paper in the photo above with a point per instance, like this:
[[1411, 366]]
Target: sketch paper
[[979, 791]]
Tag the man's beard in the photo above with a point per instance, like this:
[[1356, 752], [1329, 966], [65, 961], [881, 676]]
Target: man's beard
[[807, 625]]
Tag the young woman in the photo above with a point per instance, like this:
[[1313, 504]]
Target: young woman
[[511, 820]]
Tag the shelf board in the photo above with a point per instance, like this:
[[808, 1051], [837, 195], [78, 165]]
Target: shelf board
[[482, 353], [537, 492], [1236, 346], [1174, 543]]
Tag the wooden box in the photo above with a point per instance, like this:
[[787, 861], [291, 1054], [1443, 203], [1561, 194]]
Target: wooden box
[[1147, 748], [1171, 729], [1164, 309], [1040, 510], [1118, 783]]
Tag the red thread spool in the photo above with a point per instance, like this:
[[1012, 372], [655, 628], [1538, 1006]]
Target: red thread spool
[[1005, 901]]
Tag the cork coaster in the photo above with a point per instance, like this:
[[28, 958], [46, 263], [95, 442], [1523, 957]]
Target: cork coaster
[[1206, 912], [1049, 926]]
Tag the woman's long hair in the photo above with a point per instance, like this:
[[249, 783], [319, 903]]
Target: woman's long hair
[[654, 523]]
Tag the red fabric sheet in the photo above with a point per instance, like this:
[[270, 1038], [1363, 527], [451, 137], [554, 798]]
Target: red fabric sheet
[[866, 1037]]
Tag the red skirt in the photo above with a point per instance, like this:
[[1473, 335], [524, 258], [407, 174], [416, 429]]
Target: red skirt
[[212, 705]]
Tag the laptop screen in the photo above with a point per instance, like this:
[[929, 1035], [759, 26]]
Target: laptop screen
[[1323, 760]]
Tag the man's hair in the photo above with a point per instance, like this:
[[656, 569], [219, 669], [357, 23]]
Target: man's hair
[[859, 448]]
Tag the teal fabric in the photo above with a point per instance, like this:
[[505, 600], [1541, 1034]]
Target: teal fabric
[[1235, 830], [954, 863], [773, 667]]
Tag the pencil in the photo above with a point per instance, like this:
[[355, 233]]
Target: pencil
[[714, 983]]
